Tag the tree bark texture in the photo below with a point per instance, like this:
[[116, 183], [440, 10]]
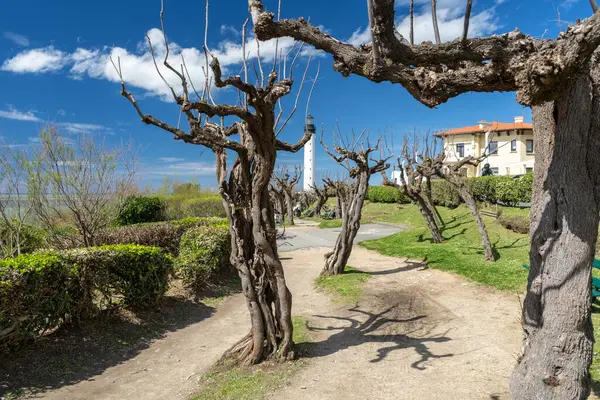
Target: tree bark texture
[[429, 199], [289, 201], [428, 216], [557, 347], [254, 255], [336, 261]]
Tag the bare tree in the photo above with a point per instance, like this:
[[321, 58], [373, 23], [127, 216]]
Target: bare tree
[[244, 182], [14, 207], [286, 181], [411, 184], [322, 194], [82, 183], [342, 190], [279, 198], [560, 80], [357, 159], [451, 173]]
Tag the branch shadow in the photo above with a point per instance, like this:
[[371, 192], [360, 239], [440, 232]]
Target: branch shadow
[[352, 332], [76, 353], [409, 267]]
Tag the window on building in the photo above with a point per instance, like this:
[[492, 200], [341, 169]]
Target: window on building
[[494, 170], [528, 170], [493, 148], [529, 146], [460, 150], [513, 145]]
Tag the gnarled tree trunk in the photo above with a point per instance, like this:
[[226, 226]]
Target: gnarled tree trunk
[[557, 348], [428, 216], [429, 199], [336, 261], [289, 201], [254, 255]]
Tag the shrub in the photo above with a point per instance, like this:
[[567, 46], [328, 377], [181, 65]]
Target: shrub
[[30, 239], [138, 209], [444, 194], [386, 194], [515, 223], [139, 275], [209, 205], [165, 235], [192, 222], [483, 188], [514, 191], [38, 292], [203, 251]]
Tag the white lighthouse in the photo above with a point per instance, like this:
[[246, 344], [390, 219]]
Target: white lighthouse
[[309, 154]]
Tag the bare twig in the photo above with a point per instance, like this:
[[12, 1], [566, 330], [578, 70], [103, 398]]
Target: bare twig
[[374, 37], [467, 18], [412, 22], [594, 5], [436, 28]]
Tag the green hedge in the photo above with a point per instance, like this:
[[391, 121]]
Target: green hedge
[[138, 209], [444, 194], [204, 251], [42, 291], [165, 235], [386, 194], [210, 205], [491, 189]]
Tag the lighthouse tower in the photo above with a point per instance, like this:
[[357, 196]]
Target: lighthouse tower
[[309, 154]]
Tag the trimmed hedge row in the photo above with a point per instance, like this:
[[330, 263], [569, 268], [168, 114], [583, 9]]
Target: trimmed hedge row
[[491, 189], [165, 235], [386, 194], [203, 252], [41, 291]]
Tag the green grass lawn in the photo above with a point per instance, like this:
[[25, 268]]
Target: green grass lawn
[[346, 287], [461, 251]]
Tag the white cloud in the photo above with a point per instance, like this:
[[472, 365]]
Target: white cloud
[[69, 127], [182, 169], [17, 39], [42, 60], [171, 159], [138, 67], [229, 29], [450, 14], [13, 113]]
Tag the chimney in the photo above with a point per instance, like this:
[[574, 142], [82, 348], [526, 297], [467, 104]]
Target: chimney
[[482, 124], [519, 119]]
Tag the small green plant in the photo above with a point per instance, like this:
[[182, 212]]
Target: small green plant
[[203, 251], [347, 286], [138, 209]]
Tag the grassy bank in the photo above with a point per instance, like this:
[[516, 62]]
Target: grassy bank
[[347, 287]]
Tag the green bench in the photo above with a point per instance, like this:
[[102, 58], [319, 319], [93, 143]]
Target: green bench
[[595, 281]]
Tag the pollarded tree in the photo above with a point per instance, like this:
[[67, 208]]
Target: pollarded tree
[[411, 184], [357, 159], [279, 198], [286, 182], [322, 194], [560, 79], [243, 183], [451, 173]]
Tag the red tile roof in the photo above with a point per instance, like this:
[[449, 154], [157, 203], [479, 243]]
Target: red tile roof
[[496, 126]]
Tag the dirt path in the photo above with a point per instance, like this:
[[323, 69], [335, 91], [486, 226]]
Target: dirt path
[[414, 334]]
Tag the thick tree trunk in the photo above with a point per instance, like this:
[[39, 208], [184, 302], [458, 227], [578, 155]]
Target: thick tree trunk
[[429, 199], [436, 235], [338, 206], [320, 203], [254, 254], [471, 204], [290, 207], [336, 261], [557, 347]]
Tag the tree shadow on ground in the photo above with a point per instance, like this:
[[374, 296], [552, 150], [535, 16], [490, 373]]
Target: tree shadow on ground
[[376, 328], [410, 265], [76, 353]]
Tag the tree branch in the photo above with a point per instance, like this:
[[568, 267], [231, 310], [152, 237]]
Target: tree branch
[[436, 28], [467, 18]]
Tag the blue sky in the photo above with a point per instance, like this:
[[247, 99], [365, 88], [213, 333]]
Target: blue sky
[[54, 68]]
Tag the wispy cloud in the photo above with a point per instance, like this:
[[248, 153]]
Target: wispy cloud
[[17, 39], [171, 159], [13, 113], [181, 169], [69, 127]]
